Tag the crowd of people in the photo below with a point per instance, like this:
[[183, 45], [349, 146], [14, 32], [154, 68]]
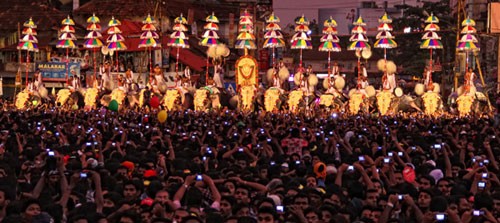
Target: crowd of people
[[100, 166]]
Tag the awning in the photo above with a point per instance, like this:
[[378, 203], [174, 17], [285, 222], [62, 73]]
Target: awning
[[189, 58]]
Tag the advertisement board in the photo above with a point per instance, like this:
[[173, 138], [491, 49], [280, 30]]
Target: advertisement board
[[56, 71]]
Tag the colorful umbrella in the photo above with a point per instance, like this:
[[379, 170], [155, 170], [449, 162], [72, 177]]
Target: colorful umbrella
[[300, 35], [29, 38], [114, 22], [302, 21], [384, 27], [151, 42], [93, 19], [209, 42], [68, 21], [467, 46], [212, 18], [468, 22], [385, 19], [274, 43], [431, 44], [468, 38], [272, 19], [117, 46], [178, 39], [330, 38], [432, 27], [246, 28], [28, 46], [180, 27], [93, 34], [330, 47], [178, 35], [148, 27], [179, 43], [115, 38], [272, 27], [114, 30], [273, 34], [385, 43], [180, 20], [94, 27], [468, 42], [384, 34], [432, 19], [330, 22], [245, 44], [29, 31], [67, 29], [329, 30], [65, 43], [359, 22], [210, 34], [431, 35], [302, 28], [358, 37], [149, 34], [358, 45], [211, 26], [245, 36], [93, 43], [70, 36], [244, 21], [358, 29], [468, 29], [301, 44], [149, 20], [30, 24]]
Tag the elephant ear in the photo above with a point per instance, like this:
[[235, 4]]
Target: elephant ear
[[297, 77], [269, 76], [284, 74], [313, 80]]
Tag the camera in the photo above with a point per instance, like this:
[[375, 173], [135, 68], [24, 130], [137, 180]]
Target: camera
[[240, 150], [390, 154], [51, 153], [88, 144], [437, 146], [57, 133], [400, 153], [350, 168], [477, 212], [268, 140], [361, 158], [440, 217], [199, 177], [481, 184], [485, 175], [387, 160], [83, 175], [280, 209], [204, 158], [413, 148], [210, 132], [113, 144], [297, 162], [272, 163], [360, 136], [318, 134], [400, 197], [331, 133]]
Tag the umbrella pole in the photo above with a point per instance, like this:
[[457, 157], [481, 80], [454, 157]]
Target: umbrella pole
[[206, 73], [385, 60], [329, 63], [430, 66], [274, 59], [359, 71], [177, 60], [300, 61], [27, 66], [67, 64], [150, 60], [466, 61], [117, 63], [95, 66]]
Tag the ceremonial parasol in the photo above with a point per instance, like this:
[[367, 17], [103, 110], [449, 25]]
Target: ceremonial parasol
[[116, 40], [273, 36], [468, 41], [431, 39], [301, 39], [359, 42], [210, 38], [329, 41], [385, 39], [149, 37], [245, 39], [93, 38], [66, 39], [30, 45], [178, 40]]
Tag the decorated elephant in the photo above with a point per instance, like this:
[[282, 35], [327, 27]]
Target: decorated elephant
[[361, 99], [430, 101], [472, 101], [333, 97], [206, 98], [274, 96], [305, 98]]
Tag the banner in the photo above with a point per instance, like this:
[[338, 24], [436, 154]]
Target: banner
[[56, 71]]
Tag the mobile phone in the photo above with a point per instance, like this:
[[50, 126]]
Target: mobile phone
[[57, 133], [350, 168], [268, 140], [280, 209], [331, 133], [440, 216], [486, 162], [387, 160], [360, 136], [193, 137], [240, 150], [437, 146], [88, 144], [361, 158], [83, 175], [400, 153], [113, 144], [477, 212], [303, 129], [147, 126], [400, 197], [390, 154], [210, 132], [272, 163], [413, 148], [297, 162], [199, 177], [51, 153], [485, 175], [379, 148], [116, 128], [318, 134], [204, 158], [481, 184]]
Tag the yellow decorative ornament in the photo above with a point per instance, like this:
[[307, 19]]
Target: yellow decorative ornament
[[326, 100], [355, 102], [118, 95], [200, 96], [21, 99], [247, 94], [431, 102], [294, 99], [384, 99], [90, 97], [141, 98], [62, 96], [170, 99], [464, 103], [271, 98]]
